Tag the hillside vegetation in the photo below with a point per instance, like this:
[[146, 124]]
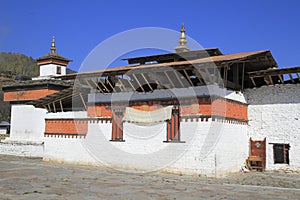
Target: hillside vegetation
[[15, 64], [14, 67]]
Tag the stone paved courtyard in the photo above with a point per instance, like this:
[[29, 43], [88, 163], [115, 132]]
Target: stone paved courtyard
[[24, 178]]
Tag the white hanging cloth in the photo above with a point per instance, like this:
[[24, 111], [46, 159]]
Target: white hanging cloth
[[147, 117]]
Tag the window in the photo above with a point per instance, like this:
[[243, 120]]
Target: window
[[281, 153], [58, 69]]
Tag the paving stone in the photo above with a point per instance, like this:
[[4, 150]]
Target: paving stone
[[25, 178]]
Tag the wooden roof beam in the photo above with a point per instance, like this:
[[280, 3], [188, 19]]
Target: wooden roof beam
[[49, 108], [253, 82], [271, 80], [274, 72], [100, 81], [291, 77], [138, 82], [99, 88], [169, 79], [188, 77], [61, 106], [281, 79], [87, 82], [122, 85], [179, 79], [147, 81], [199, 76], [52, 100], [298, 76], [133, 88], [46, 108], [82, 99], [110, 84]]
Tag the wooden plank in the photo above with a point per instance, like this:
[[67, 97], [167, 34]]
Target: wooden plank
[[54, 108], [271, 80], [298, 76], [138, 82], [147, 81], [49, 107], [198, 75], [100, 81], [61, 106], [274, 72], [51, 100], [179, 80], [281, 79], [46, 108], [109, 83], [158, 84], [188, 77], [122, 85], [87, 82], [82, 99], [133, 88], [253, 82], [99, 88], [267, 81], [169, 79], [291, 77]]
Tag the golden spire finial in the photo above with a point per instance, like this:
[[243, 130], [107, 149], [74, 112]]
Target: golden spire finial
[[53, 49], [182, 28], [182, 41]]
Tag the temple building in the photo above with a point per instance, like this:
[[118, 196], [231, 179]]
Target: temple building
[[52, 64], [191, 112]]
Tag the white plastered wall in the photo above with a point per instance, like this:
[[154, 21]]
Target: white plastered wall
[[27, 123], [274, 113], [216, 149], [50, 70], [26, 133]]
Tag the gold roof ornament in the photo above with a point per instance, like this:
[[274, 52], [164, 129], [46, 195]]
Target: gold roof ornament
[[182, 41], [53, 55], [53, 49]]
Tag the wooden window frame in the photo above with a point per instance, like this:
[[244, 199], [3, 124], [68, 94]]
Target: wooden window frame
[[58, 70], [285, 153]]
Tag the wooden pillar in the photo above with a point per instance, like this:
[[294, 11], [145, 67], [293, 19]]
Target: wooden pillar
[[117, 126], [173, 126], [243, 76], [176, 125], [235, 75]]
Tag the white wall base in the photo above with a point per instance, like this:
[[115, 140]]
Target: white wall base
[[26, 149], [216, 149]]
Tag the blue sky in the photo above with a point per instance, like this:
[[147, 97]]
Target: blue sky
[[78, 26]]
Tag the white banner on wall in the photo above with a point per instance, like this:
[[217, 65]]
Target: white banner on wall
[[147, 117]]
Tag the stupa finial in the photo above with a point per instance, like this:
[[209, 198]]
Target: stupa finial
[[53, 49], [182, 41]]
